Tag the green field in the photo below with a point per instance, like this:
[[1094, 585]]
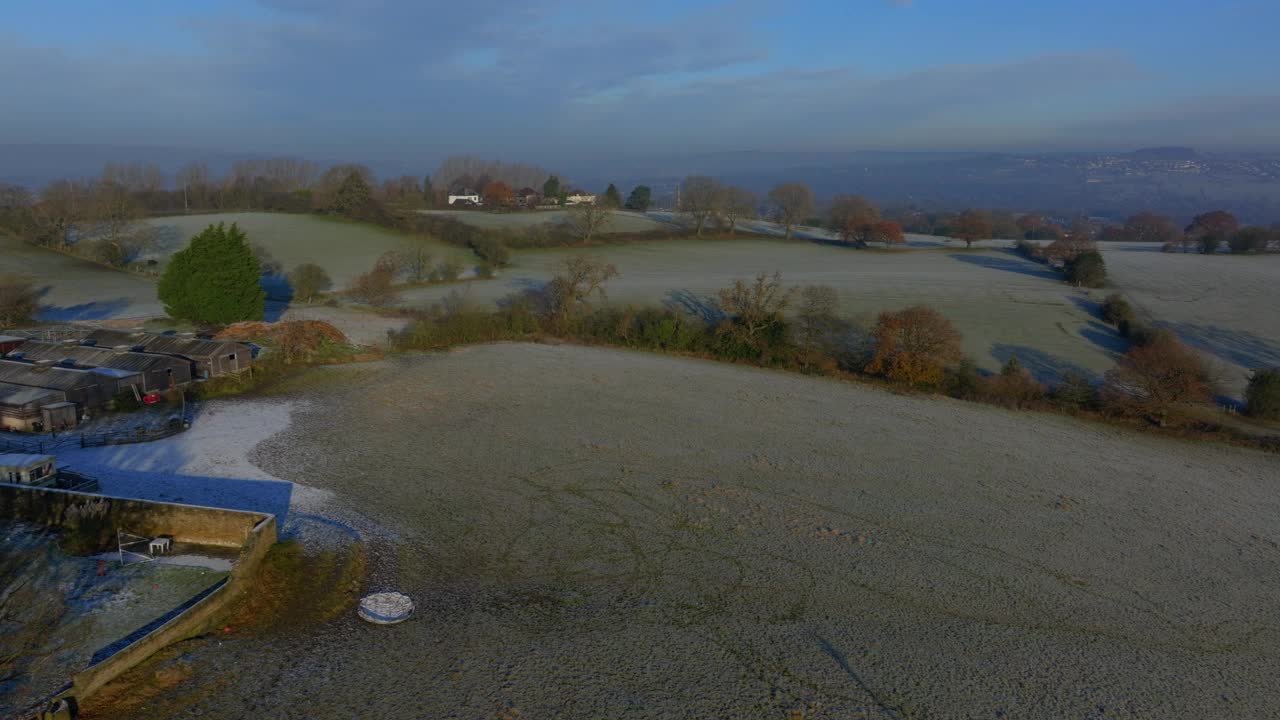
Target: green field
[[344, 249]]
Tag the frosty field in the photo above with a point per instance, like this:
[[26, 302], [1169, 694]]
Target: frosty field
[[343, 249], [1222, 305], [597, 534], [74, 289], [1003, 304], [623, 221]]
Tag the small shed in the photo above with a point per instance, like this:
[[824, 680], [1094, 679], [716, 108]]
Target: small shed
[[59, 416], [23, 469], [22, 407]]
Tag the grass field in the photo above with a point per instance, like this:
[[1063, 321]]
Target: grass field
[[593, 533], [623, 221], [1004, 305], [343, 249], [1223, 305], [74, 289]]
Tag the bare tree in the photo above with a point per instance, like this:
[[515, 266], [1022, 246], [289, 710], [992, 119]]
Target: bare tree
[[701, 197], [754, 307], [116, 232], [19, 300], [417, 261], [792, 203], [588, 219], [193, 178], [579, 278], [739, 204], [62, 205]]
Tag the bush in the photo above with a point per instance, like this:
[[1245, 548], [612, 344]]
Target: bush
[[447, 271], [1210, 243], [1139, 334], [1118, 312], [309, 280], [1262, 397], [125, 401], [484, 271], [1153, 378], [1075, 393], [491, 251], [914, 346], [1012, 388], [375, 287], [215, 279], [19, 300], [1087, 269], [1249, 240], [963, 380]]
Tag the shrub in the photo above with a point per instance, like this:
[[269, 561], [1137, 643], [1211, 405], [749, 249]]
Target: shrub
[[309, 280], [1153, 378], [1262, 397], [963, 380], [914, 346], [449, 270], [491, 251], [215, 279], [1140, 334], [19, 300], [1012, 388], [1249, 239], [1117, 311], [754, 324], [125, 401], [1087, 269], [484, 271], [1075, 393], [1209, 243], [375, 287]]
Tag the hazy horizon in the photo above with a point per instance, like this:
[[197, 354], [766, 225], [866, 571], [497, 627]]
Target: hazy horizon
[[561, 84]]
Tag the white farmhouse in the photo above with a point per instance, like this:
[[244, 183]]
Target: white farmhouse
[[468, 197], [578, 197]]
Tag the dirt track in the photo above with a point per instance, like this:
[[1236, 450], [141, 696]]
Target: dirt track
[[602, 534]]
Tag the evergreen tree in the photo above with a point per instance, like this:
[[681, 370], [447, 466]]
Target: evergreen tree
[[428, 192], [352, 195], [640, 198], [612, 198], [216, 279], [551, 188]]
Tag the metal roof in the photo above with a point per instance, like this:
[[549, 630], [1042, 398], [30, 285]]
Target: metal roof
[[55, 378], [166, 344], [16, 395], [97, 356]]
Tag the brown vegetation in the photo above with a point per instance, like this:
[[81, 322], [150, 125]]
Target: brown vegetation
[[914, 346], [1154, 378]]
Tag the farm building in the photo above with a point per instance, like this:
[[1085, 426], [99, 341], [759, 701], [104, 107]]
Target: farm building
[[578, 197], [9, 342], [208, 358], [91, 387], [30, 409], [24, 469], [159, 372], [464, 197]]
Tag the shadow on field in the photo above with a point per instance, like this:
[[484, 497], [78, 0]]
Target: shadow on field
[[1044, 367], [1092, 307], [1105, 337], [1007, 264], [703, 308], [96, 310], [1235, 346], [279, 295]]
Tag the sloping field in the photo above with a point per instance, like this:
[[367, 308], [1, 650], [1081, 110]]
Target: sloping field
[[623, 221], [600, 534], [73, 289], [343, 249], [1003, 304], [1223, 305]]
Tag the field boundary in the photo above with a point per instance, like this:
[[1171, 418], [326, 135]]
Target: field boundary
[[252, 532]]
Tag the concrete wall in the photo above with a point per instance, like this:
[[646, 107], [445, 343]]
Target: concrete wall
[[90, 517], [191, 621], [95, 518]]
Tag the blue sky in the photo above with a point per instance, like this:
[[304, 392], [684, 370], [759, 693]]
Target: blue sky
[[540, 80]]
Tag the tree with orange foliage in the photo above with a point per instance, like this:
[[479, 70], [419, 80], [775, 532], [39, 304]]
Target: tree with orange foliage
[[853, 217], [498, 193], [914, 346], [885, 231], [1154, 377], [971, 225]]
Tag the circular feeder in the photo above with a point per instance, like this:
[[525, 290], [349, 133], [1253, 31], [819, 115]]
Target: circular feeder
[[385, 608]]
